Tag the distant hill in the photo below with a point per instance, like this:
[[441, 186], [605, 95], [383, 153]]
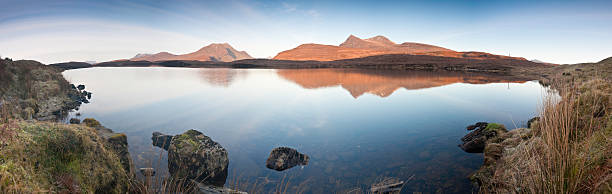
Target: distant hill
[[354, 47], [213, 52], [71, 65]]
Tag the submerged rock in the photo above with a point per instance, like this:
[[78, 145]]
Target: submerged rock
[[475, 141], [161, 140], [147, 172], [283, 158], [209, 189], [388, 186], [194, 156]]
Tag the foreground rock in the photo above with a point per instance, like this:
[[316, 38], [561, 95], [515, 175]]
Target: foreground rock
[[493, 140], [475, 141], [283, 158], [505, 143], [194, 156]]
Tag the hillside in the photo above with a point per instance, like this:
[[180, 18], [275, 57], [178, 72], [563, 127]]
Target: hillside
[[354, 47], [31, 90], [213, 52]]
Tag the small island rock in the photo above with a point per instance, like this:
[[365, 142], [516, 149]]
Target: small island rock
[[161, 140], [283, 158]]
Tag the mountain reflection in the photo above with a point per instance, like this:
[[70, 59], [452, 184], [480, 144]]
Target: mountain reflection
[[384, 82], [221, 76]]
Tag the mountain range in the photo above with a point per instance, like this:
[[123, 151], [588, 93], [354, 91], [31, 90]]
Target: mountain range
[[214, 52], [355, 47]]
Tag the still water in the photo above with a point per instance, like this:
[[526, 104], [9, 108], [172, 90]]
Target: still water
[[357, 126]]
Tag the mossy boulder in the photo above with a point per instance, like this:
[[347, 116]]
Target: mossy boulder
[[195, 156], [44, 157], [475, 141]]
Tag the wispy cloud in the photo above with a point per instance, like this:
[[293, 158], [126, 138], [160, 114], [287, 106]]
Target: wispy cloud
[[289, 7]]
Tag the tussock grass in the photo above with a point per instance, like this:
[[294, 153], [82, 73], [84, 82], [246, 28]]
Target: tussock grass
[[571, 147]]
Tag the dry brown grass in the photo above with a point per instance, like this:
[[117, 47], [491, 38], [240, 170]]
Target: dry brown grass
[[571, 147]]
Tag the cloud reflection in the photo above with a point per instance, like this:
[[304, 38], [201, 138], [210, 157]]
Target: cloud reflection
[[222, 76]]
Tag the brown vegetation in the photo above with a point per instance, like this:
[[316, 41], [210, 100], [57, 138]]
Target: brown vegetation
[[569, 150], [31, 90]]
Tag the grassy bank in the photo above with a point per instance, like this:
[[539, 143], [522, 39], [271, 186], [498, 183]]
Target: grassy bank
[[37, 156], [569, 150], [41, 157]]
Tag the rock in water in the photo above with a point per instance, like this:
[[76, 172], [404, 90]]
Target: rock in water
[[75, 121], [283, 158], [161, 140], [147, 172], [477, 125], [194, 156], [475, 141]]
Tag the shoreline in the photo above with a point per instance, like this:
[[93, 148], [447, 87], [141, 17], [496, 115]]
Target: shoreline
[[493, 152]]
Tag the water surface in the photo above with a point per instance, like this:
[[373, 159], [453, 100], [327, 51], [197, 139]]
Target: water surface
[[357, 126]]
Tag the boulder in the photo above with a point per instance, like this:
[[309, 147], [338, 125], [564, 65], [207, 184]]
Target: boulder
[[532, 121], [161, 140], [475, 141], [75, 121], [194, 156], [283, 158]]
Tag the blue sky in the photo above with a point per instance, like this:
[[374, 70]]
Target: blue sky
[[68, 30]]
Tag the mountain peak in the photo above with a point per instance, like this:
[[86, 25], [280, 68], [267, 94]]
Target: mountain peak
[[352, 41], [212, 52], [381, 39]]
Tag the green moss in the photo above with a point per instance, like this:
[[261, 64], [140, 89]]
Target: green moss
[[90, 122], [118, 137], [496, 127], [187, 139]]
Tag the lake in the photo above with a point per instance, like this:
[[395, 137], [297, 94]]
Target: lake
[[357, 126]]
